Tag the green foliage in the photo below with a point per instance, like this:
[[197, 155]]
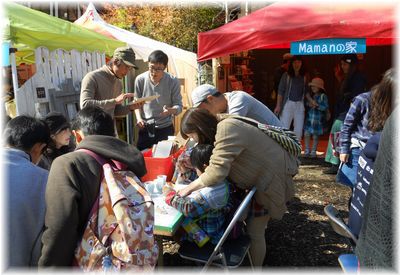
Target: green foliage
[[174, 25]]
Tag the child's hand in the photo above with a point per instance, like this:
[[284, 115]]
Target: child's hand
[[169, 196], [314, 104]]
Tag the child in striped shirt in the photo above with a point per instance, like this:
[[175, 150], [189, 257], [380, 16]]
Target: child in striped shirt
[[208, 206]]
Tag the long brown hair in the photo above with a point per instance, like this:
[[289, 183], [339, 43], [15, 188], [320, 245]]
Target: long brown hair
[[381, 101], [200, 122]]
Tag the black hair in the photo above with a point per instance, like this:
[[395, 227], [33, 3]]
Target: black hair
[[158, 57], [23, 132], [302, 70], [201, 155], [92, 120]]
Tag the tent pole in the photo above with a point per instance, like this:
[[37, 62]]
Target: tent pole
[[56, 9], [51, 8], [226, 12], [14, 74]]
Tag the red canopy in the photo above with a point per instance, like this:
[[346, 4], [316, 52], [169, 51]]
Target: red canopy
[[278, 24]]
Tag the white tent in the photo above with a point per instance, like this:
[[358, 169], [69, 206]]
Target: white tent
[[182, 64]]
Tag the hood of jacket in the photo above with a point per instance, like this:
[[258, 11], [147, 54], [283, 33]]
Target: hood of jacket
[[113, 148]]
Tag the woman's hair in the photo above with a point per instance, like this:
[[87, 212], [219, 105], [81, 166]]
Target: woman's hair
[[302, 70], [200, 122], [381, 101], [200, 156]]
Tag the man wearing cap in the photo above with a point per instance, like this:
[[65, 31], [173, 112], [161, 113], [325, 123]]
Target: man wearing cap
[[236, 102], [103, 86], [156, 82]]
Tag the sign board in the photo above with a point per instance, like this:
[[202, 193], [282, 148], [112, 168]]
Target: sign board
[[329, 46]]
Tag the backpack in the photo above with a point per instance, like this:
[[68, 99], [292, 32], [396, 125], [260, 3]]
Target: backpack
[[119, 232]]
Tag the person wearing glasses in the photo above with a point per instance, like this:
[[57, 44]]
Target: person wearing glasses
[[169, 103], [25, 138], [103, 87]]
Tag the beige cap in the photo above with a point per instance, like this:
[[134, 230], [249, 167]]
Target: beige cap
[[317, 82]]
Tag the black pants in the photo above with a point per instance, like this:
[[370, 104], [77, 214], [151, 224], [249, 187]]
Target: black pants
[[144, 141]]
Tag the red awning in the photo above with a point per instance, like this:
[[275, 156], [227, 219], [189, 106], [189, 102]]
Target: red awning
[[278, 24]]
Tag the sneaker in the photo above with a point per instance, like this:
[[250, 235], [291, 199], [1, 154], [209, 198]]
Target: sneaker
[[313, 155], [306, 155], [332, 170]]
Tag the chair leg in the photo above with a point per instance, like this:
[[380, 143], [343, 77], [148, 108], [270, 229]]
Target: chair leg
[[251, 262]]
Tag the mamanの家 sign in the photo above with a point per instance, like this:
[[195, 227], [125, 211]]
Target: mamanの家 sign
[[329, 46]]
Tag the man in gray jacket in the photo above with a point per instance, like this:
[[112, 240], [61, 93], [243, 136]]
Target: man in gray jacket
[[25, 183], [235, 103], [74, 182]]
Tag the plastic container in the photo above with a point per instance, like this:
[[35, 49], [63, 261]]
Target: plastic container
[[159, 166]]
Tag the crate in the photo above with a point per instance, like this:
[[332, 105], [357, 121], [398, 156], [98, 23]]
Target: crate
[[159, 166]]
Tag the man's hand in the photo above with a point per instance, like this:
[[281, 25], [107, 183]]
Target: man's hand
[[167, 111], [120, 99], [344, 157], [140, 123]]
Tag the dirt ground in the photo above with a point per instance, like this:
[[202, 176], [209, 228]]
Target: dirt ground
[[304, 237]]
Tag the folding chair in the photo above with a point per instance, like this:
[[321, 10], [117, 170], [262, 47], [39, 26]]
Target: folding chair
[[227, 253], [338, 224]]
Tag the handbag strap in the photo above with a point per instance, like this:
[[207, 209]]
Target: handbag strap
[[286, 138]]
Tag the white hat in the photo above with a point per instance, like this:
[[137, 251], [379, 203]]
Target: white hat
[[200, 93]]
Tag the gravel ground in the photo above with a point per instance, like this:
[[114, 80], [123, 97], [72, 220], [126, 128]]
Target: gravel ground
[[303, 239]]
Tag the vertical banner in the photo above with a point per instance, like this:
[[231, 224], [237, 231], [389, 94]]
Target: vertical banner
[[5, 54], [329, 46]]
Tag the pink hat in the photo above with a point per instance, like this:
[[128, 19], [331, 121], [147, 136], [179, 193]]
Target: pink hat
[[317, 82]]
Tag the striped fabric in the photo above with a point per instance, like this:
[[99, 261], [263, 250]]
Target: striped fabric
[[286, 138]]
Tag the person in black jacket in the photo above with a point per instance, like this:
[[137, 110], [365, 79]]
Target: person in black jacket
[[74, 182]]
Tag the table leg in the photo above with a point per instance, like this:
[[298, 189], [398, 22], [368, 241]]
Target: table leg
[[160, 261]]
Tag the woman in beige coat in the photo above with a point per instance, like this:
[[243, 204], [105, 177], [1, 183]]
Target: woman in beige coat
[[248, 157]]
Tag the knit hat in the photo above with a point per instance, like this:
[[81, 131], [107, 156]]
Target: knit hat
[[56, 122], [127, 55], [317, 82], [200, 93], [349, 58]]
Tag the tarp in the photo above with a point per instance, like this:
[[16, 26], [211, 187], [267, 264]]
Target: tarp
[[28, 29], [182, 64], [280, 23]]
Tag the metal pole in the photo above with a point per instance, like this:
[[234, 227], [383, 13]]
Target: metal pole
[[56, 9], [51, 8], [247, 8], [226, 12], [79, 10]]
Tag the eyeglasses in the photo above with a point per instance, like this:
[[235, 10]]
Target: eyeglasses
[[155, 69]]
